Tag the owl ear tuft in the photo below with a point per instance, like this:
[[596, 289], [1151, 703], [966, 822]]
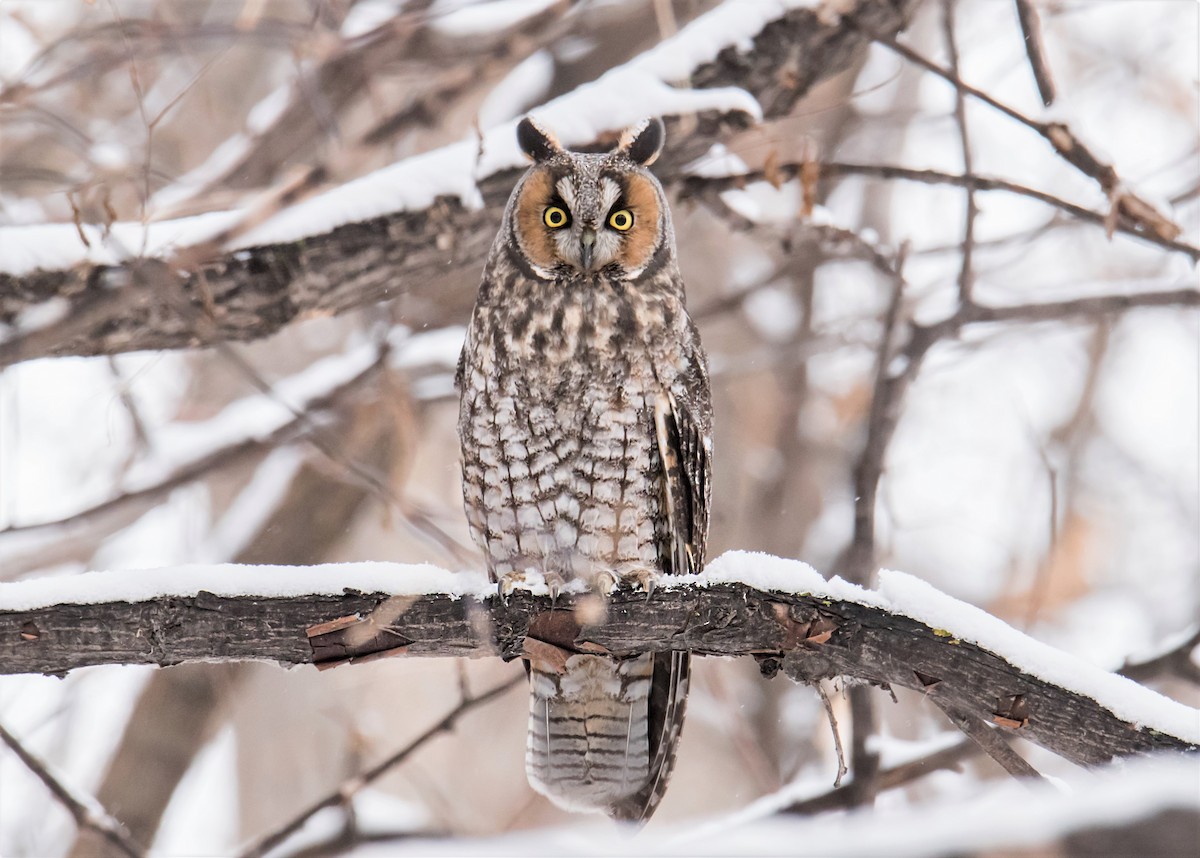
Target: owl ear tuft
[[535, 141], [642, 143]]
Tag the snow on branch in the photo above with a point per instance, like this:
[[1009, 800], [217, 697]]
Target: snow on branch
[[406, 229], [904, 633]]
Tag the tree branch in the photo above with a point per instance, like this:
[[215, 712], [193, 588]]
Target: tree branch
[[347, 790], [812, 636], [1035, 49], [1064, 141], [892, 777], [423, 256], [696, 185], [989, 740], [87, 813]]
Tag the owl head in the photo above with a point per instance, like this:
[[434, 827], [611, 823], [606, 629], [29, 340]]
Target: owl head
[[583, 213]]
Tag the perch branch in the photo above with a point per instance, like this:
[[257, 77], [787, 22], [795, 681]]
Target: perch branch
[[811, 637]]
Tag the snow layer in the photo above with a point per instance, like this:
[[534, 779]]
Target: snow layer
[[621, 97], [899, 593], [463, 19], [232, 579], [911, 597]]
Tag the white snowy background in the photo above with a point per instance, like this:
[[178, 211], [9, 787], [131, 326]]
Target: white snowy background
[[1047, 474]]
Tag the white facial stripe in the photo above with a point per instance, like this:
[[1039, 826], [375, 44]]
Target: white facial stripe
[[567, 191], [610, 191]]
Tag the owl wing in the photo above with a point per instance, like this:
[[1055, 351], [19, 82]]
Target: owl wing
[[683, 430]]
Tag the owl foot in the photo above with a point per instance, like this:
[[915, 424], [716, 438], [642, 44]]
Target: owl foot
[[527, 580], [555, 584], [606, 582]]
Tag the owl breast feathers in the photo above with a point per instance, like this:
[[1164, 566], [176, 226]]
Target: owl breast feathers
[[585, 423]]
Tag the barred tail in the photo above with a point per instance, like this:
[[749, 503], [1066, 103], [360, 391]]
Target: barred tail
[[602, 733]]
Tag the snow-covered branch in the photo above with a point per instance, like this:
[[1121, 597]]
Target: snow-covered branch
[[408, 229], [904, 633]]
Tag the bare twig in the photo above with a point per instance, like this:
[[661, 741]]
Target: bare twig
[[233, 454], [857, 561], [890, 778], [829, 169], [141, 438], [989, 740], [1177, 661], [348, 789], [837, 735], [1035, 49], [86, 812], [864, 759], [1065, 143], [965, 274]]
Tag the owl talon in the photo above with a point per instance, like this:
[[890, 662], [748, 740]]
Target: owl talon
[[555, 584], [605, 583], [526, 580], [512, 581], [641, 580]]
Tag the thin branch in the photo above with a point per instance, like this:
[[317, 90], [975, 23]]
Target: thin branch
[[694, 185], [857, 562], [1035, 49], [348, 789], [965, 274], [989, 740], [1058, 135], [86, 812], [224, 457], [1177, 661], [837, 735], [890, 778], [864, 759]]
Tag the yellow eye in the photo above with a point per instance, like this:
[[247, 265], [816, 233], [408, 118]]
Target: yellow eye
[[621, 220], [555, 217]]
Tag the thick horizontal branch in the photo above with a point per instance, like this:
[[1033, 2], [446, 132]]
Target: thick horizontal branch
[[810, 636], [424, 255]]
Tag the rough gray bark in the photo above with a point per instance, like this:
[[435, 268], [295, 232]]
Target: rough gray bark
[[427, 258], [808, 637]]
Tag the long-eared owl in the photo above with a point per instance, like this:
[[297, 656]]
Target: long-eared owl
[[585, 422]]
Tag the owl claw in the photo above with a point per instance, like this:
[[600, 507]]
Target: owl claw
[[606, 583], [521, 580], [509, 582], [555, 584]]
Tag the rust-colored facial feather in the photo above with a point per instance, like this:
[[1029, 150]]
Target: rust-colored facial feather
[[642, 238], [531, 232]]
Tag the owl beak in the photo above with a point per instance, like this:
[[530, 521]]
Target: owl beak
[[587, 244]]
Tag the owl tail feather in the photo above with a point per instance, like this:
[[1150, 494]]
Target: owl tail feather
[[602, 733]]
